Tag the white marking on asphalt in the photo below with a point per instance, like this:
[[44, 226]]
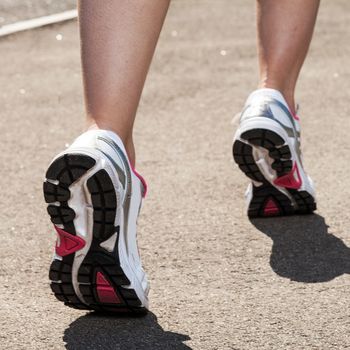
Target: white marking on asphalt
[[37, 22]]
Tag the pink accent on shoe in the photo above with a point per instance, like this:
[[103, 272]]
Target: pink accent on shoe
[[143, 181], [295, 116], [271, 208], [101, 279], [67, 243], [105, 291], [291, 180]]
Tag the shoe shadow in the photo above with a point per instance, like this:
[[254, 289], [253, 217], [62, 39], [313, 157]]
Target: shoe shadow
[[94, 331], [303, 250]]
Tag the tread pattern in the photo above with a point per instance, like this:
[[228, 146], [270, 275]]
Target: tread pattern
[[306, 203], [243, 156], [61, 285], [275, 145], [99, 261], [104, 201], [283, 164], [263, 193], [62, 173]]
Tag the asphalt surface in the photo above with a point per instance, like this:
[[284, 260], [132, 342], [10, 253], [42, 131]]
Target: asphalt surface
[[218, 281], [18, 10]]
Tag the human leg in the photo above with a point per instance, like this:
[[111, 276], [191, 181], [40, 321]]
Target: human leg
[[267, 142], [93, 192], [118, 40], [285, 30]]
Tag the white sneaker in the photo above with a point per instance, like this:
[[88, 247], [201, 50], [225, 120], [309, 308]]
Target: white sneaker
[[94, 198], [267, 149]]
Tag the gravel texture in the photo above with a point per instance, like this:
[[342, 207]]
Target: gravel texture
[[218, 281], [18, 10]]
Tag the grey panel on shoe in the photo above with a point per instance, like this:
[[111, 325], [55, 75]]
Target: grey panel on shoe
[[119, 170]]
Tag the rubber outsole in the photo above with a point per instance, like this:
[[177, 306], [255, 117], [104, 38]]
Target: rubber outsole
[[267, 200], [102, 282]]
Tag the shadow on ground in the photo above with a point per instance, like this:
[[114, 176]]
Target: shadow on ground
[[94, 331], [303, 250]]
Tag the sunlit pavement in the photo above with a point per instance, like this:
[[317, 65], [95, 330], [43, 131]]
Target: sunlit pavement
[[218, 281]]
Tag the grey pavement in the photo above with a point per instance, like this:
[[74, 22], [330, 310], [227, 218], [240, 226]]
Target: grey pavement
[[218, 280], [18, 10]]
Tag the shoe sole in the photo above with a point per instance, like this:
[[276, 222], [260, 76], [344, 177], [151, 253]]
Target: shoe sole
[[267, 200], [101, 279]]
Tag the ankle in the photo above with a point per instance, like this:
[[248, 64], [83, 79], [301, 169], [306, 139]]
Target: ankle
[[122, 131], [126, 138], [290, 101], [287, 92], [130, 150]]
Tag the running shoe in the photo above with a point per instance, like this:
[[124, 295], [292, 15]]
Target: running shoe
[[94, 198], [266, 148]]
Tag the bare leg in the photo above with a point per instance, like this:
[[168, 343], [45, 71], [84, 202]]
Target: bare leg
[[285, 30], [118, 39]]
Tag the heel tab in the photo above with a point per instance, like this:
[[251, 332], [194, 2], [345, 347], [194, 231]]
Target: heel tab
[[143, 182]]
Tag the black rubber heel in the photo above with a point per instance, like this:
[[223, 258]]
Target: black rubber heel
[[103, 263], [276, 146], [61, 174], [102, 282], [267, 200]]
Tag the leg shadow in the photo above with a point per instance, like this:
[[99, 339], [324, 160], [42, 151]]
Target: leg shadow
[[94, 331], [303, 250]]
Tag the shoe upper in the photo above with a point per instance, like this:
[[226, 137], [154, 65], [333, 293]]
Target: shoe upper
[[112, 148], [270, 103], [129, 185]]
